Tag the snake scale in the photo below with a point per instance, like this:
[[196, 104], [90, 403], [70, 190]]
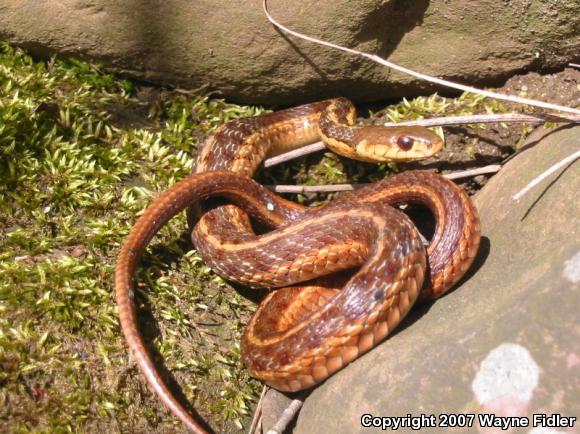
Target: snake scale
[[301, 334]]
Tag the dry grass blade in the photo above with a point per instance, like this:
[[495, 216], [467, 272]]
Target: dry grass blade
[[420, 75], [568, 160], [532, 118]]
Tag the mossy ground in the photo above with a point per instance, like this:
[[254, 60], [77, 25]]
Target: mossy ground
[[74, 175], [82, 153]]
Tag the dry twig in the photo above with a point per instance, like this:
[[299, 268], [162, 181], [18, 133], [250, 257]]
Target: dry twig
[[492, 168], [286, 417], [299, 152]]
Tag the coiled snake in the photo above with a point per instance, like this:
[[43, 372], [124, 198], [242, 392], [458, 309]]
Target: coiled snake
[[300, 335]]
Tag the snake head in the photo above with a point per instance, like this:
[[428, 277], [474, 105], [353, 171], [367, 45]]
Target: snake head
[[391, 144]]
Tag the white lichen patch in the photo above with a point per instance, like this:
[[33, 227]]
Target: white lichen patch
[[572, 268], [508, 371]]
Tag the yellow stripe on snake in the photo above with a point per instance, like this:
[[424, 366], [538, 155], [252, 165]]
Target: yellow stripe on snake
[[300, 335]]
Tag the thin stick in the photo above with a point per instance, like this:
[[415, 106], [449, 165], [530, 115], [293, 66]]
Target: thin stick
[[536, 118], [492, 168], [422, 76], [574, 65], [305, 150], [286, 417], [256, 420], [569, 159]]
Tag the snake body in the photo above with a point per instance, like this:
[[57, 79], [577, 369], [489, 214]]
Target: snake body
[[300, 335]]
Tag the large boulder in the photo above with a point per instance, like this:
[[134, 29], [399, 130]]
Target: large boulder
[[229, 46], [506, 341]]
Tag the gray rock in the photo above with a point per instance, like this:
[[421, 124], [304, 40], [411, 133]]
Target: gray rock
[[507, 340], [229, 46]]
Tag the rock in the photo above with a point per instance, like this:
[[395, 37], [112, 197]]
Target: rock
[[507, 340], [231, 47]]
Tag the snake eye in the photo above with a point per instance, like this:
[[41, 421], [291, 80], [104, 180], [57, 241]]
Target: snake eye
[[405, 143]]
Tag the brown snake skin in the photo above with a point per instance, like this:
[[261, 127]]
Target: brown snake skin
[[300, 335]]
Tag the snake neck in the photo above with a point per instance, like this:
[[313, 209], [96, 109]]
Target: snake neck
[[240, 145]]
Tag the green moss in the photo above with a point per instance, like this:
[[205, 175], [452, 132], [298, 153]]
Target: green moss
[[74, 175]]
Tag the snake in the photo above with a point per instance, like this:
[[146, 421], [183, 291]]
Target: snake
[[347, 272]]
